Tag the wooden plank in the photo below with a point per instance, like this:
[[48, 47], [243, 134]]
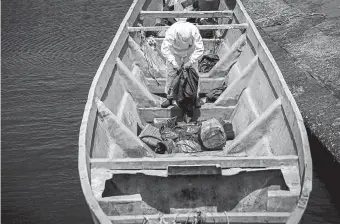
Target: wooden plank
[[206, 84], [122, 205], [138, 91], [227, 61], [128, 142], [224, 162], [226, 217], [206, 112], [187, 14], [236, 86], [122, 198], [194, 170], [256, 130], [200, 27]]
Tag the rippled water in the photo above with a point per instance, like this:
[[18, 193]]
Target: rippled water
[[50, 53]]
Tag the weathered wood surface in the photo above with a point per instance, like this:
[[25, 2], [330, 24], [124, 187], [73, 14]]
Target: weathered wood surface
[[224, 162], [206, 112], [236, 86], [223, 66], [256, 130], [128, 141], [226, 217], [187, 14], [138, 91], [206, 84], [200, 27]]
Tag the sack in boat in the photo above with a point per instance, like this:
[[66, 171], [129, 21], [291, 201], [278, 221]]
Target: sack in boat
[[212, 134], [187, 146], [207, 62]]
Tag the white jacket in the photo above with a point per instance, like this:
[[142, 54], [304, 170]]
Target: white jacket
[[180, 39]]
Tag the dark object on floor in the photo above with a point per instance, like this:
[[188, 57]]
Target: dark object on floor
[[185, 87], [208, 5], [207, 62], [215, 93], [228, 129], [212, 134], [166, 103]]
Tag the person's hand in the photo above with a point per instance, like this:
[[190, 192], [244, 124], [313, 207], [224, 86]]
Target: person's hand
[[187, 65], [175, 65]]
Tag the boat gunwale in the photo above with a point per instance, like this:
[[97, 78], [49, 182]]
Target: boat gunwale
[[90, 109], [83, 154]]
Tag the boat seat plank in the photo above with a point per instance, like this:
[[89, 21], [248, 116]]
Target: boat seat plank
[[200, 27], [206, 84], [206, 112], [224, 162], [121, 205], [186, 14], [222, 217]]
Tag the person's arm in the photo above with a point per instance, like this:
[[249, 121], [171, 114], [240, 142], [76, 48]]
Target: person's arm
[[199, 47], [165, 48]]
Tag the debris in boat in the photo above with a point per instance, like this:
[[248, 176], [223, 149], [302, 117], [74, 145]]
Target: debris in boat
[[212, 134], [150, 135], [207, 62]]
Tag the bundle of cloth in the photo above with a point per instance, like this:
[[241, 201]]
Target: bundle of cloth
[[179, 137]]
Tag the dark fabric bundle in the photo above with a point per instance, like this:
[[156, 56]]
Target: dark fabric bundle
[[185, 87], [207, 62], [207, 33]]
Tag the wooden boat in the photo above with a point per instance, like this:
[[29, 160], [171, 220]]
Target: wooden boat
[[264, 175]]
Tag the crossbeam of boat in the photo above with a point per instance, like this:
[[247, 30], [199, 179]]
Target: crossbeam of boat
[[223, 162], [221, 217], [205, 113], [206, 84], [200, 27], [187, 14]]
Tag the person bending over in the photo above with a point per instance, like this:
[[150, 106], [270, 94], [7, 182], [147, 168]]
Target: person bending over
[[182, 46]]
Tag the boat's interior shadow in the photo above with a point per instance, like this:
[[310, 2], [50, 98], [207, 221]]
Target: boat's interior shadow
[[244, 192]]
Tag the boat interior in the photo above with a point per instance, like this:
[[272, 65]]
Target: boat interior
[[256, 177]]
